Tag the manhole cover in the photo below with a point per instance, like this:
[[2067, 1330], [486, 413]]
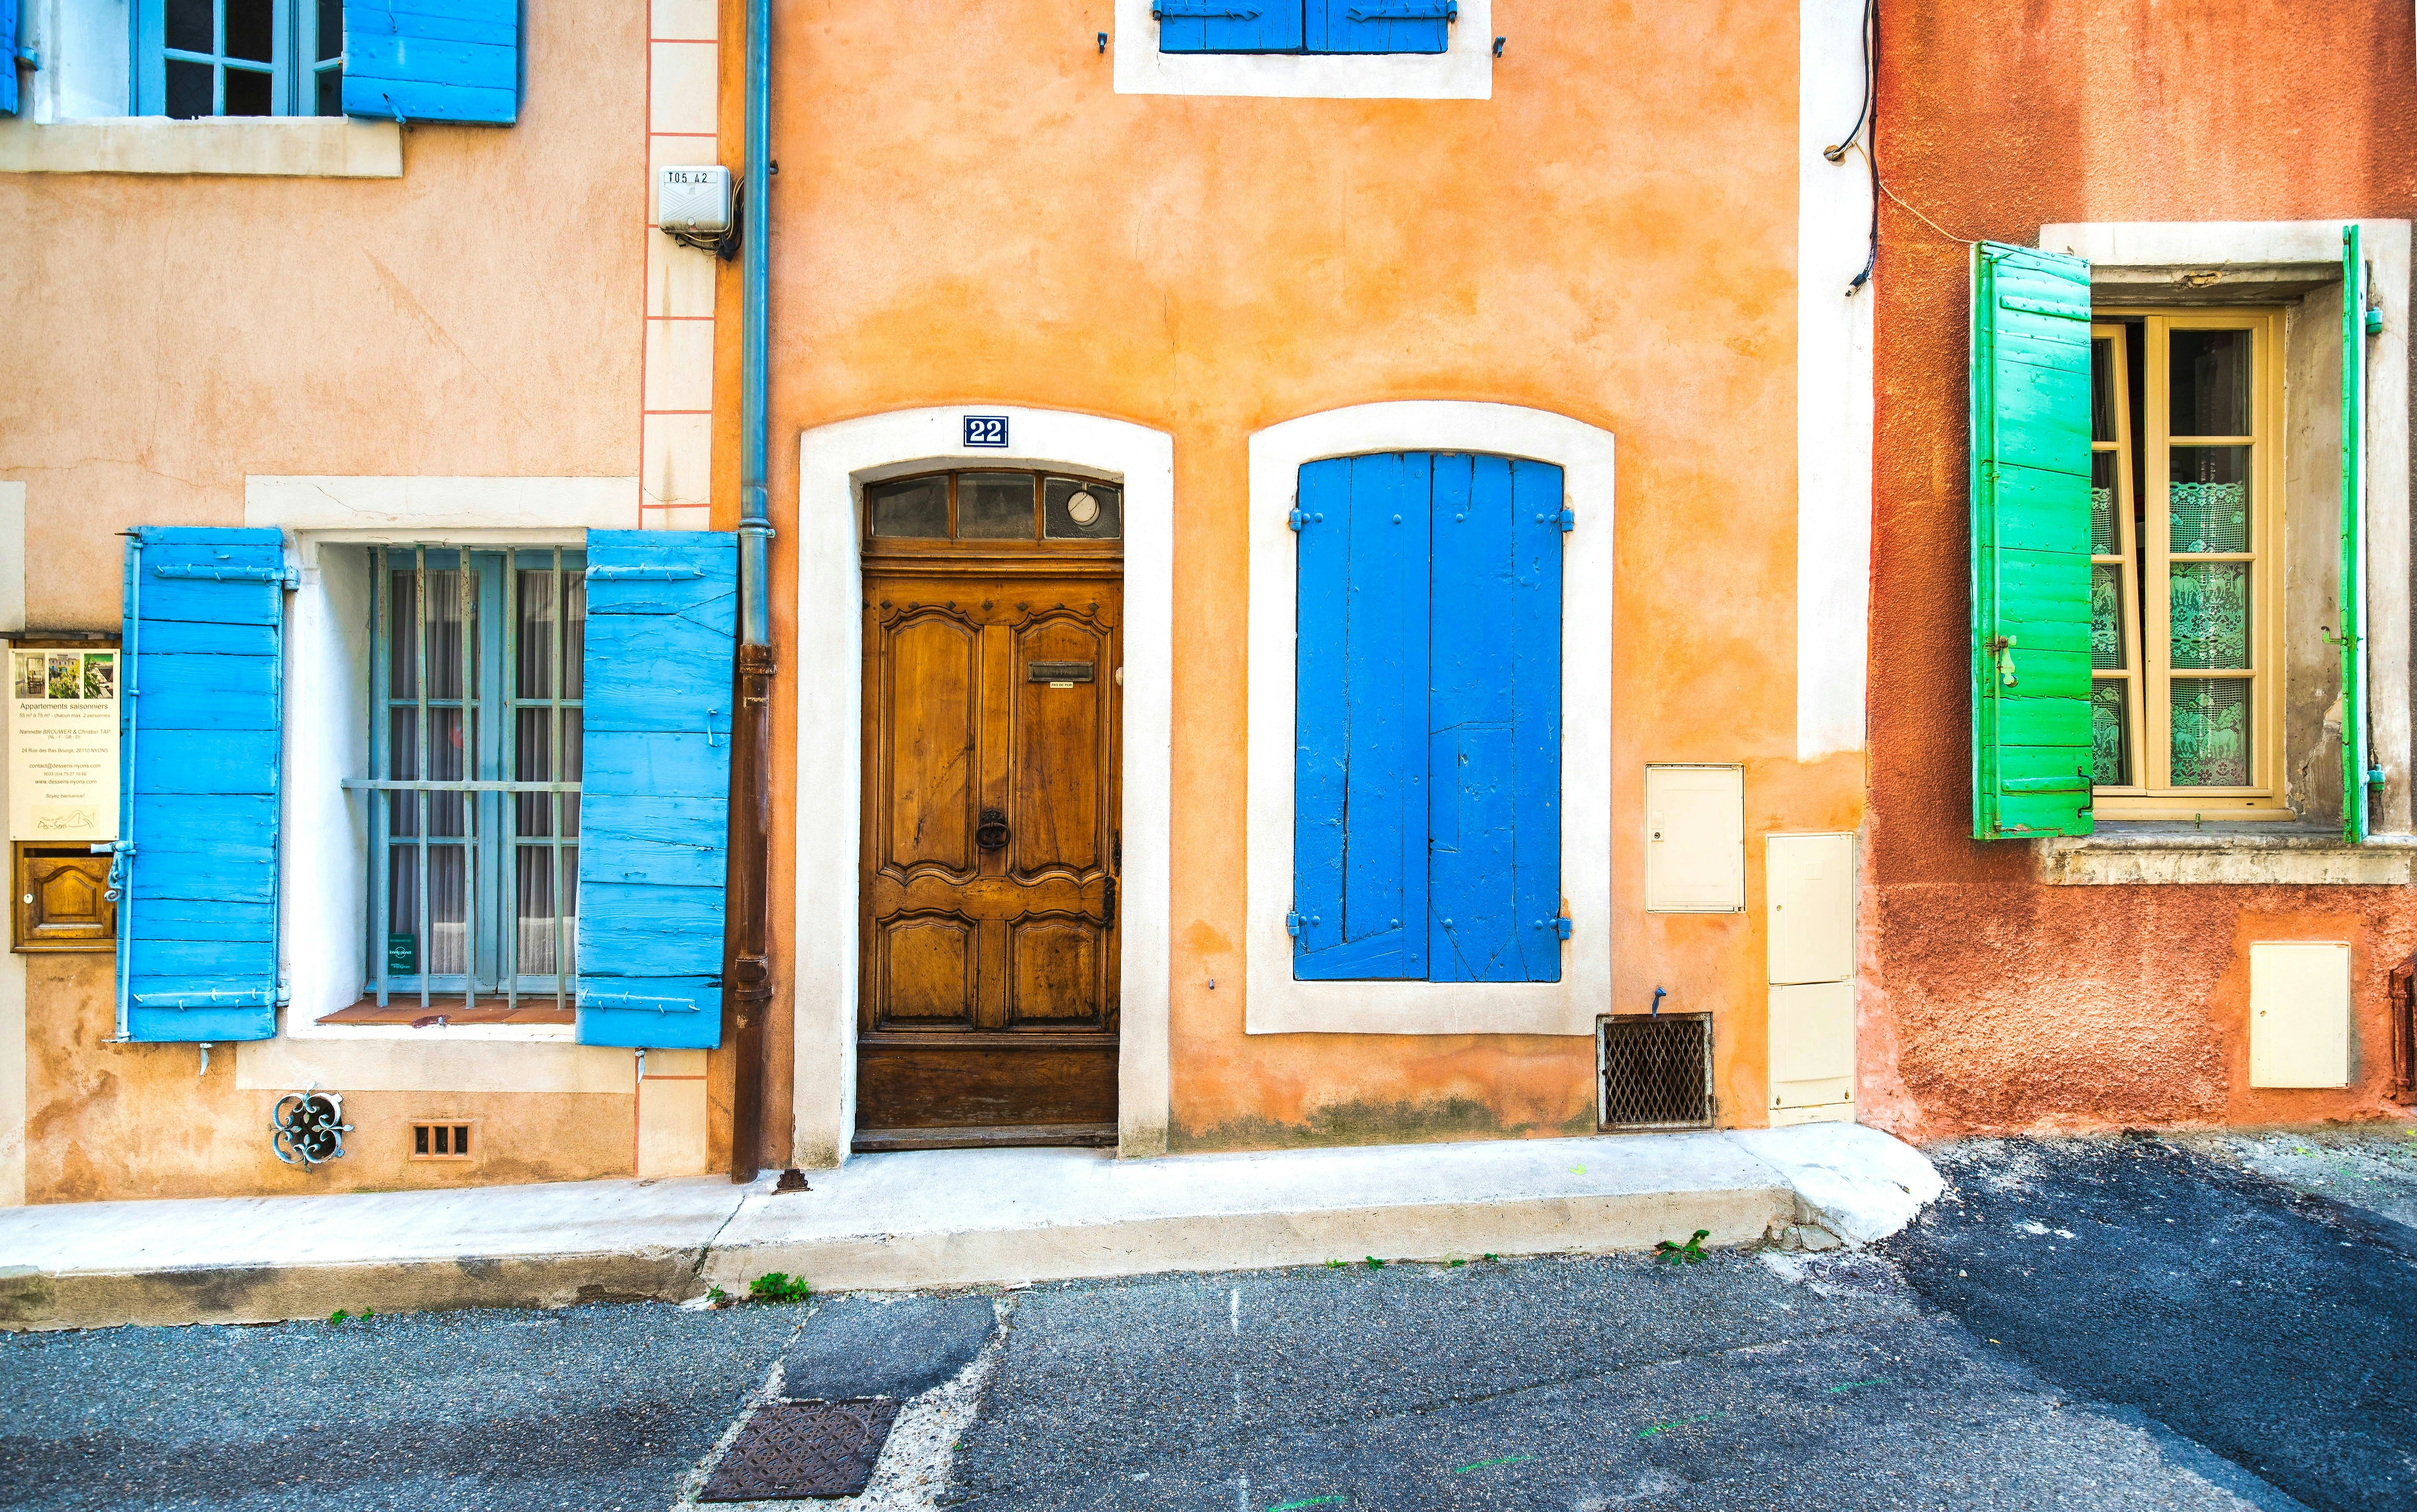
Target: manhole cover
[[804, 1448]]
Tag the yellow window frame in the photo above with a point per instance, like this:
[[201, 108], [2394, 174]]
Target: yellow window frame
[[2143, 513]]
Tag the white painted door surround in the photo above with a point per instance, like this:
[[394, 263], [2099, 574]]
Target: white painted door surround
[[835, 461]]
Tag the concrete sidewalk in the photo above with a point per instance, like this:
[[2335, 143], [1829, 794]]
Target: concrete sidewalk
[[938, 1218]]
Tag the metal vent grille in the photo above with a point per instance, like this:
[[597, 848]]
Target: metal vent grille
[[1656, 1070]]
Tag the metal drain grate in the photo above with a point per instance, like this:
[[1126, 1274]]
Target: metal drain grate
[[803, 1448], [1656, 1070]]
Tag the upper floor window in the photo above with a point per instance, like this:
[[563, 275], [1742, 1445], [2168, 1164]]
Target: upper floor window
[[1304, 25], [196, 58]]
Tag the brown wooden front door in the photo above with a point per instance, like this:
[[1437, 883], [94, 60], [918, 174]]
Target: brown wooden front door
[[989, 937]]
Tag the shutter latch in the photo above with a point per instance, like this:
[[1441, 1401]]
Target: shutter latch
[[2003, 646]]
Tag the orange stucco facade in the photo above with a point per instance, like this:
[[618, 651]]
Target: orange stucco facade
[[982, 218], [1993, 1000]]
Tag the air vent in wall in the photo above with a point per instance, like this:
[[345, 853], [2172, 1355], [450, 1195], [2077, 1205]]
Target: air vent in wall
[[1655, 1070], [447, 1140]]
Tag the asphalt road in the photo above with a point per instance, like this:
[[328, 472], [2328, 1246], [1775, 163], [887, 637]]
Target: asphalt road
[[2101, 1324]]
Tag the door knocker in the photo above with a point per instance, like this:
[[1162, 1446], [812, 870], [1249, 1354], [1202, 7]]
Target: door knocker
[[991, 834]]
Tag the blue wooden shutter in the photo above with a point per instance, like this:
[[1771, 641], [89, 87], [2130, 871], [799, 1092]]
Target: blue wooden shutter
[[432, 60], [2355, 764], [654, 812], [202, 714], [1228, 25], [1494, 721], [1380, 25], [1360, 809], [2031, 748], [7, 57]]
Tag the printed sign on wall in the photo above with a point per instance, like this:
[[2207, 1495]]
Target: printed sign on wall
[[63, 745]]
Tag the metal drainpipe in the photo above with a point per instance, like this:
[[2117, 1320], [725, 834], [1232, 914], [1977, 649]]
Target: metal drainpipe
[[748, 999]]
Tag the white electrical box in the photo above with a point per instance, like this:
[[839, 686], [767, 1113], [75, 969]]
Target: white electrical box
[[1809, 906], [1694, 839], [1812, 1052], [2299, 1014], [692, 199]]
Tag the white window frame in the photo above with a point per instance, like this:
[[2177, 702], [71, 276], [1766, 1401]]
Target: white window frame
[[323, 867], [1275, 1004], [1463, 70]]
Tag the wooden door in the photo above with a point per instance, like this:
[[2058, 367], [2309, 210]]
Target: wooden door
[[989, 935]]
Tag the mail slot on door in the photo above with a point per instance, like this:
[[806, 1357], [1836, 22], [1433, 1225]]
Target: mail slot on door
[[1064, 674]]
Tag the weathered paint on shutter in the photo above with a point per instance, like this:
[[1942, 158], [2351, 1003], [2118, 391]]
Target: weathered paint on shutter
[[1380, 25], [654, 811], [1359, 809], [432, 60], [2354, 725], [1494, 722], [200, 716], [7, 57], [1228, 25], [2031, 543]]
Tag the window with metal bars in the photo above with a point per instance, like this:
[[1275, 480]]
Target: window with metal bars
[[475, 751]]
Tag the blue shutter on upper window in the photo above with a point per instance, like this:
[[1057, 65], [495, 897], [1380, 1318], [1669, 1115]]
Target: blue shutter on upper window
[[654, 811], [1359, 808], [201, 720], [1228, 25], [7, 57], [432, 60], [1380, 25], [1494, 721]]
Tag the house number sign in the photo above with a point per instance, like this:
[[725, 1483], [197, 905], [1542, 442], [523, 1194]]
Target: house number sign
[[986, 431], [63, 745]]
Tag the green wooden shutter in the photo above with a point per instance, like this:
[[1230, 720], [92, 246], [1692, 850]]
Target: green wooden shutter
[[2031, 543], [2355, 765]]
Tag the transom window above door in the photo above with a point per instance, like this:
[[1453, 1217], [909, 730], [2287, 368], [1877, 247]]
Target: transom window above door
[[1304, 25], [993, 507]]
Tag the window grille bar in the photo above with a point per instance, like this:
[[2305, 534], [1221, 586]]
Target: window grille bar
[[509, 739], [466, 733], [380, 719], [425, 930], [553, 721]]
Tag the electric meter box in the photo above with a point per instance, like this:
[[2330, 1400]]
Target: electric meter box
[[692, 199]]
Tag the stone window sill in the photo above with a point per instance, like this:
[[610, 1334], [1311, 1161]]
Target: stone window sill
[[290, 146], [2242, 855]]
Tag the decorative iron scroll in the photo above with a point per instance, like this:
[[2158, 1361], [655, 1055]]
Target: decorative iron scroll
[[308, 1127]]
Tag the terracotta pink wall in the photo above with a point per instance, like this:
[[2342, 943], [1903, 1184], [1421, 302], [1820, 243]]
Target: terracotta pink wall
[[1994, 1002]]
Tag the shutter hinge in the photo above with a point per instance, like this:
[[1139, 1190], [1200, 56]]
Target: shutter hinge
[[2374, 322], [1292, 925], [2375, 777], [1564, 926], [1569, 518], [1300, 519], [293, 578]]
